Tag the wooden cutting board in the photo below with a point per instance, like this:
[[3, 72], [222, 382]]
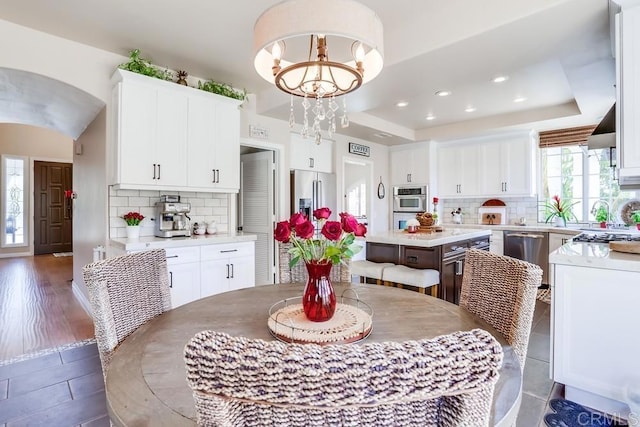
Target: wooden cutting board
[[491, 218], [628, 247]]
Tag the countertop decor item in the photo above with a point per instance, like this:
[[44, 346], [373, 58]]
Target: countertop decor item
[[300, 56], [559, 211], [133, 218], [626, 211], [351, 322], [319, 251], [426, 219], [456, 216], [635, 217], [413, 225]]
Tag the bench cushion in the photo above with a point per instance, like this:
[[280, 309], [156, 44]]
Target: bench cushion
[[421, 278]]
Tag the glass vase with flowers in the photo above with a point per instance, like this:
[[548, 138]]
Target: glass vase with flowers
[[320, 249]]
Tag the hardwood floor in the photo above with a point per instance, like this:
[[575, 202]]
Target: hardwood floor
[[37, 306]]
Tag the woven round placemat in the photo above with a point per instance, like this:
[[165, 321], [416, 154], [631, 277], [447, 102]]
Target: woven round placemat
[[348, 324]]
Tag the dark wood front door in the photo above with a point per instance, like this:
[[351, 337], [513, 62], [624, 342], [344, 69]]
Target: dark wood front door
[[52, 210]]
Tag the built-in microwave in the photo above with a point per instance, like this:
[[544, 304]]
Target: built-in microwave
[[410, 198]]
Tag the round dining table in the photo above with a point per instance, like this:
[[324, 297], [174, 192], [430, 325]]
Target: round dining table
[[146, 381]]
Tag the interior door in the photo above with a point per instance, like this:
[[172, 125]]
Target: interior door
[[257, 209], [52, 210]]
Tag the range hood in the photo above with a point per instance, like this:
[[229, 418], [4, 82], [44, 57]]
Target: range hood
[[604, 135]]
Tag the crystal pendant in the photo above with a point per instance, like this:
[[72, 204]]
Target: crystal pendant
[[292, 117]]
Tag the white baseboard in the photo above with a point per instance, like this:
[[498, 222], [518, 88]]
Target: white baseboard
[[84, 302], [15, 254]]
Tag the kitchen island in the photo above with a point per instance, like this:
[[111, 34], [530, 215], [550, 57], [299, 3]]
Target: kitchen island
[[594, 322], [443, 251]]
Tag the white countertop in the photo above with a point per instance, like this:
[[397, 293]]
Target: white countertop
[[541, 227], [450, 234], [594, 255], [152, 242]]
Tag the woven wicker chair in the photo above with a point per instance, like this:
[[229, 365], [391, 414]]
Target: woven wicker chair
[[298, 273], [125, 292], [502, 291], [445, 381]]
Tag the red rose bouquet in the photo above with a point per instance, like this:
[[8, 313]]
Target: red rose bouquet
[[333, 242]]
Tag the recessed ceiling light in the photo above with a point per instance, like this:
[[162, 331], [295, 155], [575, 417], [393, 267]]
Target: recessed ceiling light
[[402, 104], [470, 109], [500, 79], [443, 93], [430, 117], [520, 99]]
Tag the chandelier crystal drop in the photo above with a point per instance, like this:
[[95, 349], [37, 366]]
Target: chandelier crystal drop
[[292, 52]]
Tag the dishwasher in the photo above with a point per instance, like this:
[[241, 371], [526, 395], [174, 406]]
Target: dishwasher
[[529, 246]]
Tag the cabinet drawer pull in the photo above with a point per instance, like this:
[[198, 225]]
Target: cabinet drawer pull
[[227, 271], [459, 268], [171, 279], [154, 171], [231, 271], [412, 259], [172, 256], [228, 250], [213, 176], [158, 170]]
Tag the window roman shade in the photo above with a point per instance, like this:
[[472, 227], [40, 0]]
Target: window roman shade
[[568, 136]]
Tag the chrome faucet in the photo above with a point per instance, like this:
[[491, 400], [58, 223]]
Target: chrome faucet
[[601, 202]]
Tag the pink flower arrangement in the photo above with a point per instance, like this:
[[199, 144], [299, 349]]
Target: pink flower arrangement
[[334, 242]]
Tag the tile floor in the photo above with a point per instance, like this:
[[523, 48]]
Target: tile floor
[[63, 388]]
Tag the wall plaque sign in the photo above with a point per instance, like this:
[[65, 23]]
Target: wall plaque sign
[[359, 149]]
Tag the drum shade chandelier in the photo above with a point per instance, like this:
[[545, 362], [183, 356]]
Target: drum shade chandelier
[[318, 50]]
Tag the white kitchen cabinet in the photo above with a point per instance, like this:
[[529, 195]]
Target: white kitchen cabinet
[[458, 170], [410, 166], [496, 242], [227, 267], [169, 136], [594, 325], [628, 94], [150, 136], [183, 265], [506, 167], [482, 167], [213, 144], [305, 154]]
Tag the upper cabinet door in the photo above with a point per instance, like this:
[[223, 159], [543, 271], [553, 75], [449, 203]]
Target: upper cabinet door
[[171, 139], [135, 132], [305, 154], [458, 170], [410, 166], [201, 143], [506, 167], [227, 160], [628, 94]]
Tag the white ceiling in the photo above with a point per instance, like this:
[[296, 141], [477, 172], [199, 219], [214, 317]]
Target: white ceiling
[[557, 54]]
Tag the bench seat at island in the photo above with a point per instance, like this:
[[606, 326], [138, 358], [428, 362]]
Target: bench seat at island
[[442, 251]]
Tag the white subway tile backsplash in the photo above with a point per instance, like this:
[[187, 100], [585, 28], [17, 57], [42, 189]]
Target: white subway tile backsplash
[[139, 201], [118, 201], [205, 207]]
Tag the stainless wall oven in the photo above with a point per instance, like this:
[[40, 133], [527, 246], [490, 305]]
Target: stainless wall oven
[[410, 198]]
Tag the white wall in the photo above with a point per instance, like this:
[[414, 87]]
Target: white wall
[[379, 154], [37, 144], [89, 208]]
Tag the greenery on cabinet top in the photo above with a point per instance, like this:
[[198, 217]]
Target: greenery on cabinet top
[[137, 64]]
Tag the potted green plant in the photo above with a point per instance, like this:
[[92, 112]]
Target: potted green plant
[[559, 211], [222, 89], [635, 217], [139, 65], [602, 216]]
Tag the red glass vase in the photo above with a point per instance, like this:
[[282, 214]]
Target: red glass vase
[[319, 298]]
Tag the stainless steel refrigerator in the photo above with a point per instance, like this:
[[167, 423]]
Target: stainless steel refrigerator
[[313, 190]]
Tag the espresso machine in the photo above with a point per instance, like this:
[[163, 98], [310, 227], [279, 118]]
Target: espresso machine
[[171, 217]]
